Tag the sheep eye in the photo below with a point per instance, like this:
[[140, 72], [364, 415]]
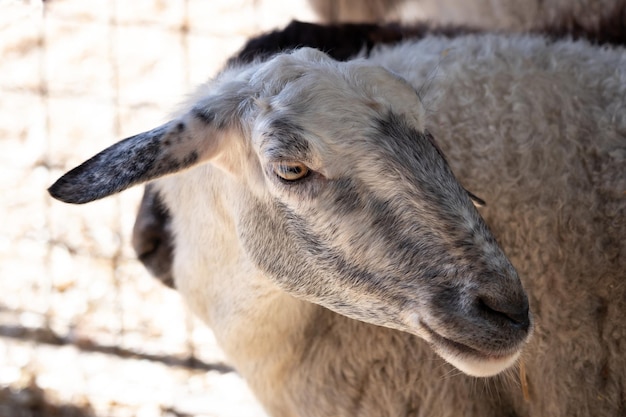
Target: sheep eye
[[291, 171]]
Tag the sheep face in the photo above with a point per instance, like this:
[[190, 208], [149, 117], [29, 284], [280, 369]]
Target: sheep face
[[339, 197]]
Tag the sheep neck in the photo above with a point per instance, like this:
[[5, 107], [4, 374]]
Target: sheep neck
[[259, 326]]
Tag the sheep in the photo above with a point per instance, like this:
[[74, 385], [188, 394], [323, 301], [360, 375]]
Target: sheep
[[347, 40], [152, 235], [319, 230], [607, 17]]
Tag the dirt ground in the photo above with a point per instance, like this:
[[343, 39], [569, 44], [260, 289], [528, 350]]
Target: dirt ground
[[84, 330]]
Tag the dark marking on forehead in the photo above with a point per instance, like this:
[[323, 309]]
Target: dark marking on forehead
[[407, 140], [396, 128], [286, 140], [418, 160]]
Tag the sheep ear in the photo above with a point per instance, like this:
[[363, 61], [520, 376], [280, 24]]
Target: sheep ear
[[169, 148]]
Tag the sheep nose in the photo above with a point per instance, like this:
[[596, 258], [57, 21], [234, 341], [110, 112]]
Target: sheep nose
[[512, 310], [151, 237]]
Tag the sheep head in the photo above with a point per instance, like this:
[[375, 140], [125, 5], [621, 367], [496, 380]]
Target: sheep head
[[342, 199]]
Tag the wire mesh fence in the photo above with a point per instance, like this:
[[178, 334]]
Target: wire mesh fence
[[84, 331]]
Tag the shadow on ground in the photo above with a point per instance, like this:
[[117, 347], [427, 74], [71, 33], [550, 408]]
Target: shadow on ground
[[31, 401]]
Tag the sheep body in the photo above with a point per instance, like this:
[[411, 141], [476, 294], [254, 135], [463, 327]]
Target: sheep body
[[515, 15], [529, 126], [583, 15], [539, 130], [551, 167]]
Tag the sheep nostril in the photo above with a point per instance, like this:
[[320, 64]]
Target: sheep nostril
[[515, 313]]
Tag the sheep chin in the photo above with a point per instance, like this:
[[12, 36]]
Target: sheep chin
[[471, 361], [468, 360], [481, 368]]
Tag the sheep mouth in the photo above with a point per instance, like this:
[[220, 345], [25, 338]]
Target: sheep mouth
[[470, 360]]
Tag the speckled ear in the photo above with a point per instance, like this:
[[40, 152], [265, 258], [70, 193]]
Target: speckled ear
[[169, 148]]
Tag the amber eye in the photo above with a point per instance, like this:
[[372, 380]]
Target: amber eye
[[291, 171]]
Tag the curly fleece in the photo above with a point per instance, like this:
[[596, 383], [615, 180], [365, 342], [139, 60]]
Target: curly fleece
[[538, 129]]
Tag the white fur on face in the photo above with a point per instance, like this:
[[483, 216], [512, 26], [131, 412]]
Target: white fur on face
[[536, 127], [378, 231]]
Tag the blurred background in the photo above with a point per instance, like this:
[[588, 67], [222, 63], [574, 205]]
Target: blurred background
[[84, 330]]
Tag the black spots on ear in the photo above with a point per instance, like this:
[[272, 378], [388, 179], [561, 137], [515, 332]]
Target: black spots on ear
[[204, 115], [134, 160], [169, 164], [178, 150], [116, 168], [177, 136], [218, 117]]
